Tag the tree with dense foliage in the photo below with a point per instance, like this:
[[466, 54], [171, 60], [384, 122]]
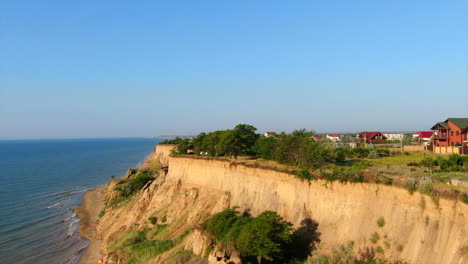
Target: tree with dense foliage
[[264, 237]]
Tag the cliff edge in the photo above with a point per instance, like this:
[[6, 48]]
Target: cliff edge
[[192, 188]]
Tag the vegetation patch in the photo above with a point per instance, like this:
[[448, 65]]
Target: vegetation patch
[[411, 185], [464, 197], [148, 249], [140, 245], [102, 213], [127, 188], [381, 222], [346, 254], [153, 219], [186, 257], [266, 238], [374, 238]]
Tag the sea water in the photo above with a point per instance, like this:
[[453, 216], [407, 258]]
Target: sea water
[[42, 181]]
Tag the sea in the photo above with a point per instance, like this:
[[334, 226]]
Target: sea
[[42, 181]]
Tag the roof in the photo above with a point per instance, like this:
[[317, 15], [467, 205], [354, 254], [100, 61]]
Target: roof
[[271, 133], [333, 135], [369, 134], [459, 122], [442, 124], [318, 137], [425, 134]]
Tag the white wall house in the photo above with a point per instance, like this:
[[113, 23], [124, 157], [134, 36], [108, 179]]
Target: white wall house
[[394, 136], [334, 137]]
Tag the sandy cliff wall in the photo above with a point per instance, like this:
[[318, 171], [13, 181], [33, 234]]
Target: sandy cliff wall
[[427, 233], [163, 152]]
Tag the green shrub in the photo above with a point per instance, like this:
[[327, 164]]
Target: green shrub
[[344, 254], [266, 236], [101, 214], [387, 245], [411, 185], [400, 248], [164, 219], [149, 249], [128, 238], [129, 187], [464, 197], [221, 223], [304, 175], [159, 229], [425, 186], [373, 154], [379, 250], [374, 237], [153, 220], [381, 222]]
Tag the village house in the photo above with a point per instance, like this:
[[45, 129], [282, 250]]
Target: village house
[[268, 134], [394, 136], [451, 132], [423, 136], [371, 137], [334, 137]]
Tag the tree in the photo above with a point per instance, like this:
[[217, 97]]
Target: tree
[[239, 141], [265, 146], [197, 142], [265, 237], [183, 146]]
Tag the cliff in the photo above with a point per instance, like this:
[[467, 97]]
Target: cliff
[[416, 229]]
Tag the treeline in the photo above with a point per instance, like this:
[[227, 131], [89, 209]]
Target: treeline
[[299, 148]]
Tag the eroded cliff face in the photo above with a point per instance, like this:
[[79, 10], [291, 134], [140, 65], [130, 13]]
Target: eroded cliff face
[[162, 153], [416, 229]]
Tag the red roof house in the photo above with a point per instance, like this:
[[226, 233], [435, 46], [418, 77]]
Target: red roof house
[[333, 137], [424, 135], [451, 132], [371, 136]]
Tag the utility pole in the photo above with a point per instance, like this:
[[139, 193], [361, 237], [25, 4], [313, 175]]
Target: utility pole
[[401, 140]]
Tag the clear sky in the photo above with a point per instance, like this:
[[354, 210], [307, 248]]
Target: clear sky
[[72, 69]]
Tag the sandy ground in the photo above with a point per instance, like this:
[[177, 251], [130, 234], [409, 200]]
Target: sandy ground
[[88, 212]]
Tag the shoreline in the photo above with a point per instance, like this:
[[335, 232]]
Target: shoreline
[[88, 213]]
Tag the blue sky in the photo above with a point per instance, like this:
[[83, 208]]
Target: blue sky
[[146, 68]]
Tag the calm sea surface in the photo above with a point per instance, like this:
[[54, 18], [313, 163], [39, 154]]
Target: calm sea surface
[[42, 181]]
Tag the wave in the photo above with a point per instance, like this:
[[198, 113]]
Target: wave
[[54, 205]]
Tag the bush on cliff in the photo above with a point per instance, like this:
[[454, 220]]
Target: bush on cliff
[[266, 238], [345, 254], [127, 188]]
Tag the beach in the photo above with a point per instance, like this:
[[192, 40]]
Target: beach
[[88, 212]]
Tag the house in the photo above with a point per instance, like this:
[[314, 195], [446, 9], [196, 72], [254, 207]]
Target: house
[[423, 136], [371, 136], [334, 137], [451, 132], [394, 136], [268, 134], [319, 137]]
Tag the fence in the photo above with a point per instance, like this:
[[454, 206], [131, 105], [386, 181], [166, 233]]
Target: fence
[[416, 147], [451, 150]]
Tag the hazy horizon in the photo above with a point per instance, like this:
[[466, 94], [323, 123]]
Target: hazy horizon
[[112, 70]]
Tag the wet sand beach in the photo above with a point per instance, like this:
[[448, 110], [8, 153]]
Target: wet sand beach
[[88, 212]]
